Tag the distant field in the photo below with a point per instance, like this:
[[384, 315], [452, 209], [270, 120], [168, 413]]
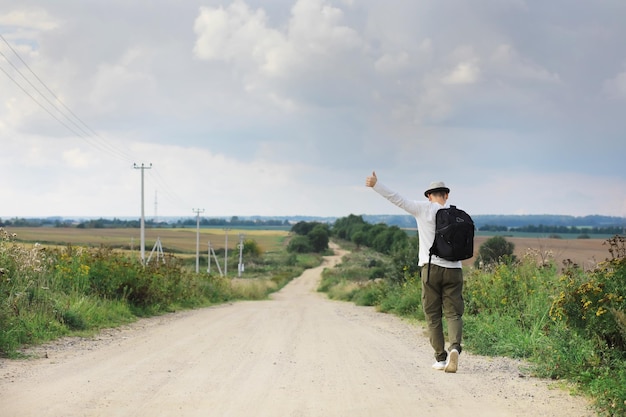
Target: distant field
[[585, 252], [181, 240]]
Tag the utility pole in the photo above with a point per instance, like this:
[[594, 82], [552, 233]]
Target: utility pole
[[198, 211], [240, 269], [143, 215], [208, 264], [226, 251]]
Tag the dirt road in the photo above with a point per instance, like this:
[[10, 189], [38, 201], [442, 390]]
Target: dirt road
[[298, 354]]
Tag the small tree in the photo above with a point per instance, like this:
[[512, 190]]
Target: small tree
[[359, 239], [300, 244], [303, 228], [319, 238], [495, 249], [251, 248]]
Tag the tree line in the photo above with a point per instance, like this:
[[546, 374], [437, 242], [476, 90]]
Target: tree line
[[389, 240], [103, 223], [547, 229]]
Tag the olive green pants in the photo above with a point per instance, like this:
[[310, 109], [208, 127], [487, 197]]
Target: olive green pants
[[442, 295]]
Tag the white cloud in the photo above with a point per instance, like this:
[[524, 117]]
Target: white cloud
[[235, 33], [295, 63], [252, 106], [29, 18], [463, 73], [317, 26]]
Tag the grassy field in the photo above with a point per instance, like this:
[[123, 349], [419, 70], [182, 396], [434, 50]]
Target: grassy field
[[585, 252], [182, 240]]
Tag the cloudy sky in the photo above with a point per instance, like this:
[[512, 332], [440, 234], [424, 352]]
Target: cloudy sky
[[283, 107]]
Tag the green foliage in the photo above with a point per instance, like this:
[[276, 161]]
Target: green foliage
[[48, 293], [557, 230], [593, 303], [251, 248], [310, 237], [359, 238], [569, 326], [520, 290], [345, 227], [591, 308], [380, 237], [495, 249], [389, 240], [404, 299], [352, 280], [300, 244], [319, 238], [369, 295], [303, 228], [404, 261]]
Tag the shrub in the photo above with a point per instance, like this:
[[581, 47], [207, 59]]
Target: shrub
[[404, 299], [300, 244], [369, 295], [495, 249], [594, 302], [318, 237], [569, 326], [251, 248]]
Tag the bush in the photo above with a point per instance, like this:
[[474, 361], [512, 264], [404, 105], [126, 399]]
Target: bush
[[570, 326], [318, 237], [251, 248], [300, 244], [310, 237], [369, 295], [404, 299], [495, 249], [594, 303]]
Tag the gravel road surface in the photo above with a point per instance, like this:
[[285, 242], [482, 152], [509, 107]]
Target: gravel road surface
[[298, 354]]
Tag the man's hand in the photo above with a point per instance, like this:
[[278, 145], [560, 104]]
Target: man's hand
[[371, 180]]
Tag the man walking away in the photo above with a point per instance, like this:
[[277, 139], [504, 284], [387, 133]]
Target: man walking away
[[442, 283]]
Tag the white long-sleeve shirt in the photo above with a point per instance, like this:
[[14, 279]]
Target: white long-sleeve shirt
[[424, 213]]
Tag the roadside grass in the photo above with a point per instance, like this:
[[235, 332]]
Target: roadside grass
[[569, 325], [47, 292]]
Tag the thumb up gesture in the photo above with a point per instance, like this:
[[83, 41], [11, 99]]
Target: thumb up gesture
[[371, 180]]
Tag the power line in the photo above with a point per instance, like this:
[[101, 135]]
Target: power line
[[73, 123], [40, 105], [86, 133], [169, 193]]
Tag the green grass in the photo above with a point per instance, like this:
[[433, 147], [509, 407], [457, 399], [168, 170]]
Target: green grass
[[54, 291], [569, 326]]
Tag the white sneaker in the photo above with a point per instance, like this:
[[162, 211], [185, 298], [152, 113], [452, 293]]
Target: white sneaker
[[453, 362], [440, 366]]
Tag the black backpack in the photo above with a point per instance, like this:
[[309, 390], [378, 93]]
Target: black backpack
[[454, 235]]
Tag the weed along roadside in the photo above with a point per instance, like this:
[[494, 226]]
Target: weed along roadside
[[566, 324], [298, 353], [54, 290]]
